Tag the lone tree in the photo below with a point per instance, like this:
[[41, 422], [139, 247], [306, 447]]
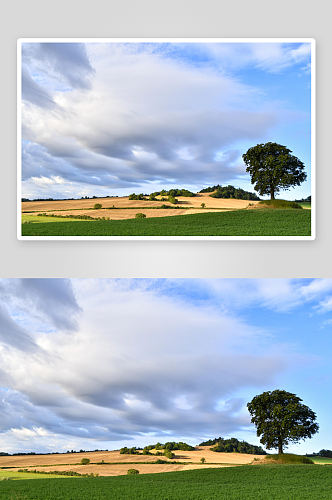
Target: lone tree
[[272, 168], [280, 419]]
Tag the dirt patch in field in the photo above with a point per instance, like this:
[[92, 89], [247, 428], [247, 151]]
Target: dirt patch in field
[[117, 464]]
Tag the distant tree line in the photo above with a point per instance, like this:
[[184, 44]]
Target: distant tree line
[[321, 453], [233, 445], [308, 199], [167, 447], [171, 193], [2, 453], [68, 199], [229, 192]]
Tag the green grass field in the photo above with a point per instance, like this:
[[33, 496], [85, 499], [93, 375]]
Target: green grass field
[[321, 460], [25, 475], [305, 204], [269, 222], [249, 482]]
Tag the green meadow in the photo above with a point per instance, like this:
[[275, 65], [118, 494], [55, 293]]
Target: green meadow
[[248, 482], [9, 475], [260, 222]]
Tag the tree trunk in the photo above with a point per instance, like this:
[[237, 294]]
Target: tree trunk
[[280, 447]]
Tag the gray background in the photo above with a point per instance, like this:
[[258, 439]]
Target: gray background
[[164, 18]]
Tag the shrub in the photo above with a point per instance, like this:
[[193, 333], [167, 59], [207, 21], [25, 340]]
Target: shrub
[[172, 200], [140, 216], [203, 205], [96, 206], [168, 454], [132, 471], [202, 460], [85, 461]]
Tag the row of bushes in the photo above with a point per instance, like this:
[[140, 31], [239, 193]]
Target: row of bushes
[[172, 445], [59, 473], [169, 446], [146, 451], [83, 217], [322, 453]]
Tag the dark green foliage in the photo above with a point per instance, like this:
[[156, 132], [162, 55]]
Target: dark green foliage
[[173, 200], [140, 216], [97, 206], [131, 472], [322, 453], [272, 168], [134, 196], [262, 222], [85, 461], [229, 192], [234, 445], [281, 418], [172, 445], [269, 482], [211, 442], [172, 192], [129, 451], [168, 453]]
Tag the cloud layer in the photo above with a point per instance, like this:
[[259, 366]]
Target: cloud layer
[[122, 116]]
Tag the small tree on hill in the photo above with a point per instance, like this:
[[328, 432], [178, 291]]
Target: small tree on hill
[[85, 461], [280, 419], [97, 206], [272, 168]]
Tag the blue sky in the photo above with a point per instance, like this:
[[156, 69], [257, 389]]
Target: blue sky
[[109, 119], [105, 363]]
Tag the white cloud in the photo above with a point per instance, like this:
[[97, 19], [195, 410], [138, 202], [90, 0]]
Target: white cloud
[[46, 182]]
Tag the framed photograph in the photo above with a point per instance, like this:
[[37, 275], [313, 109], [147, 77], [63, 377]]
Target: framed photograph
[[166, 139]]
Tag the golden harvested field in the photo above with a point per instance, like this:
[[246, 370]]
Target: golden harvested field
[[83, 207], [117, 464]]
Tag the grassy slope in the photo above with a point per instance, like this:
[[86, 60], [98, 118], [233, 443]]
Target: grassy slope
[[284, 482], [238, 223], [321, 460]]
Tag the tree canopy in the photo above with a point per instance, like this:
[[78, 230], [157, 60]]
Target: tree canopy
[[272, 168], [281, 418], [233, 445], [229, 192]]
